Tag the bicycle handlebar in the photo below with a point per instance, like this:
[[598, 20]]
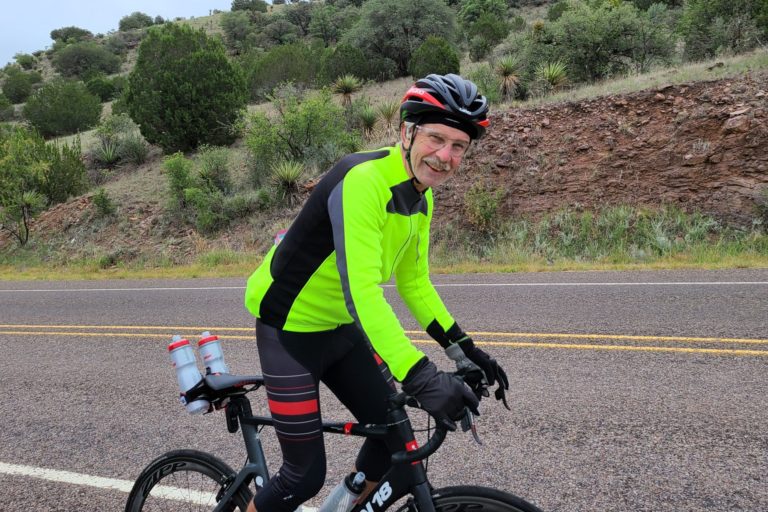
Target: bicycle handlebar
[[218, 388]]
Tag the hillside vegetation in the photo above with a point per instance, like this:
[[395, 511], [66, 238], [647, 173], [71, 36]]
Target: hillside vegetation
[[578, 169]]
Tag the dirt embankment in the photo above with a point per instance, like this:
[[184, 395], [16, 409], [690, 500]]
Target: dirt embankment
[[701, 146]]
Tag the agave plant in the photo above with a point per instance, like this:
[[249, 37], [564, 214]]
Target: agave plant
[[553, 73], [508, 69], [347, 85], [388, 114]]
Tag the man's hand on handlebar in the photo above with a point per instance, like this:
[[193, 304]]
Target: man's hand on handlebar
[[442, 395], [490, 367]]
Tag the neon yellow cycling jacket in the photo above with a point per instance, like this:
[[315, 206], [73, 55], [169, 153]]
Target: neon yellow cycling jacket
[[363, 223]]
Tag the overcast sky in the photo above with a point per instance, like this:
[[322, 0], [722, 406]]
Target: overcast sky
[[25, 26]]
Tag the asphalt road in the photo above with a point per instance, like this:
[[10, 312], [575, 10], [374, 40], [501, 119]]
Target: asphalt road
[[642, 391]]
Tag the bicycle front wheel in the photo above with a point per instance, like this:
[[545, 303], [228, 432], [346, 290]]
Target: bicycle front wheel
[[476, 499], [187, 480]]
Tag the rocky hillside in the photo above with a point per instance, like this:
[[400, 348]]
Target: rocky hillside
[[701, 146]]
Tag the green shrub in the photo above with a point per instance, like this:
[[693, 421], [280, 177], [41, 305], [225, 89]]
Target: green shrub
[[597, 40], [241, 205], [207, 209], [62, 107], [237, 29], [481, 204], [179, 172], [82, 59], [761, 207], [249, 5], [472, 10], [490, 27], [6, 109], [395, 28], [17, 86], [556, 10], [65, 174], [310, 130], [133, 149], [101, 86], [25, 60], [22, 154], [297, 63], [487, 81], [710, 27], [213, 163], [71, 34], [435, 55], [183, 91], [105, 207], [135, 20], [342, 60]]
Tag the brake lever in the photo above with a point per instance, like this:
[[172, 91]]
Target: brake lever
[[468, 423]]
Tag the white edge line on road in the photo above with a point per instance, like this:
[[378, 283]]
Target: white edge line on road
[[69, 477], [444, 285]]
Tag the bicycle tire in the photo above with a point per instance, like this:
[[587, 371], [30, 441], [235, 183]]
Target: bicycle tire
[[474, 498], [187, 480]]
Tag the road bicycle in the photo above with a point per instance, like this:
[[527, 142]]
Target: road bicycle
[[195, 480]]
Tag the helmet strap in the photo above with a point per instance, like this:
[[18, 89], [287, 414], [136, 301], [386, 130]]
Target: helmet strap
[[414, 179]]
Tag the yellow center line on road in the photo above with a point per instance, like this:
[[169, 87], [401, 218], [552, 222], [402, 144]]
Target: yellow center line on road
[[139, 327], [623, 337], [250, 330], [513, 344]]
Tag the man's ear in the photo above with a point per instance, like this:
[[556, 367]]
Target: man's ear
[[405, 134]]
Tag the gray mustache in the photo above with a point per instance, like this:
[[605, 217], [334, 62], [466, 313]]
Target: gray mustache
[[437, 164]]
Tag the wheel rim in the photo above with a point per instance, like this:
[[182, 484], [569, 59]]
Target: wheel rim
[[183, 486]]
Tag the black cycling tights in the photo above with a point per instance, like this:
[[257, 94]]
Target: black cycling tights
[[293, 364]]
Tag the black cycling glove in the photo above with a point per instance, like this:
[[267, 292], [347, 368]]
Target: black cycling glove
[[442, 395], [493, 372]]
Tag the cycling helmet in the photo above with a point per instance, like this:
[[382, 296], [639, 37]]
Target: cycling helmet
[[446, 99]]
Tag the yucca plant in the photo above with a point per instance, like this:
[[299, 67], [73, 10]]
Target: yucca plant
[[107, 152], [388, 112], [367, 118], [346, 86], [285, 177], [508, 69], [553, 73]]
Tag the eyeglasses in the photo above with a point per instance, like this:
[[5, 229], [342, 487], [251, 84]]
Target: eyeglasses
[[435, 141]]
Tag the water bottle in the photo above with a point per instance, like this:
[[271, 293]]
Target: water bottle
[[183, 358], [211, 354], [343, 496]]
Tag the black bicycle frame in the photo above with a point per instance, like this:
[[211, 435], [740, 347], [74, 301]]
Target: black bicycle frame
[[406, 476]]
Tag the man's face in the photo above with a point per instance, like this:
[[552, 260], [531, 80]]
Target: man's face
[[436, 153]]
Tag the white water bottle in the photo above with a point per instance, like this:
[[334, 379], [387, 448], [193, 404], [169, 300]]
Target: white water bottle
[[211, 354], [187, 374], [343, 496]]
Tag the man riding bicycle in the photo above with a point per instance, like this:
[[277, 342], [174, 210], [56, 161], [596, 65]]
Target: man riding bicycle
[[321, 312]]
